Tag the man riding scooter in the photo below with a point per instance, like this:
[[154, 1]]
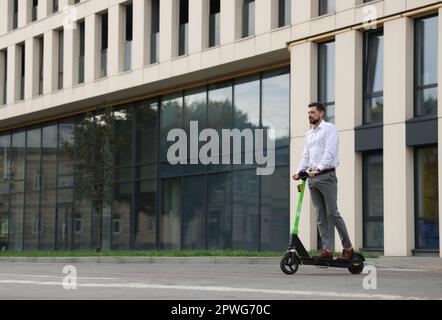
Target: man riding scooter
[[320, 159]]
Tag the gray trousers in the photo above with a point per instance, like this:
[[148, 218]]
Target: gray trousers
[[324, 190]]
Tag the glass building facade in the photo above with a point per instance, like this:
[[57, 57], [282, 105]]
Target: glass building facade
[[155, 205]]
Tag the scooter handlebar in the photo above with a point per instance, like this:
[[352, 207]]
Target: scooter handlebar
[[303, 175]]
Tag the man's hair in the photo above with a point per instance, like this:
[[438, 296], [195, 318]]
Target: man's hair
[[319, 106]]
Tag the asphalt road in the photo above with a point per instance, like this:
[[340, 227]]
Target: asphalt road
[[20, 280]]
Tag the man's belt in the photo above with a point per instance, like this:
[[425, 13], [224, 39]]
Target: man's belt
[[328, 170]]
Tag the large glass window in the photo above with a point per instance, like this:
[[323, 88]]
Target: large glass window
[[247, 101], [427, 198], [246, 112], [48, 186], [17, 188], [170, 219], [214, 23], [33, 181], [275, 103], [327, 6], [373, 197], [245, 210], [5, 176], [426, 65], [171, 118], [65, 186], [146, 132], [195, 110], [121, 216], [274, 207], [219, 211], [326, 78], [191, 207], [248, 18], [193, 224], [373, 76], [220, 106], [145, 214]]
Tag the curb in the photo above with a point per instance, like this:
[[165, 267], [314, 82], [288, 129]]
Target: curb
[[146, 260]]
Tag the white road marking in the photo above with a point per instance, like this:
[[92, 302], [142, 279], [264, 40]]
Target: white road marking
[[316, 294], [403, 270], [53, 277]]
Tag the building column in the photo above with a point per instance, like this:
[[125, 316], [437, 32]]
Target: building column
[[44, 8], [4, 23], [50, 61], [168, 29], [440, 130], [13, 73], [343, 5], [24, 12], [62, 4], [92, 47], [349, 47], [142, 13], [116, 39], [264, 10], [198, 25], [303, 11], [303, 92], [31, 67], [398, 158], [228, 24], [70, 61]]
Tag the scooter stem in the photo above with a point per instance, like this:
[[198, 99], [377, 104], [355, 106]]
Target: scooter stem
[[298, 210]]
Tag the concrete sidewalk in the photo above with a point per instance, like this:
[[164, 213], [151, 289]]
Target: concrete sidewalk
[[418, 263]]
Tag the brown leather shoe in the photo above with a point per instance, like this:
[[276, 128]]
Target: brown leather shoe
[[325, 255], [347, 255]]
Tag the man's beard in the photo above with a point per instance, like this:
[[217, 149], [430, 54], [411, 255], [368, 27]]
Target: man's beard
[[314, 121]]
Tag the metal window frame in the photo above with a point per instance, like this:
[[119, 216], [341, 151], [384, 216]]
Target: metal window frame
[[416, 87]]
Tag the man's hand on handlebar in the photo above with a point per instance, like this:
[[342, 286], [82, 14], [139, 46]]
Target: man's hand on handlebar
[[313, 174]]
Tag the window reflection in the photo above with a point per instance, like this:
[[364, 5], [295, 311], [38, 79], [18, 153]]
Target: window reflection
[[326, 83], [206, 207], [274, 207], [32, 222], [426, 66], [5, 159], [17, 191], [373, 200], [275, 105], [374, 76], [427, 198]]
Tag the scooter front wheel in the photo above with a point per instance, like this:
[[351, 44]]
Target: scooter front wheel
[[357, 267], [289, 263]]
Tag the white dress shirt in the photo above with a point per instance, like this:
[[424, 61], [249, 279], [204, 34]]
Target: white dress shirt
[[321, 148]]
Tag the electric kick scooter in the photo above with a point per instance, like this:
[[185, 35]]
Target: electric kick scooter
[[296, 253]]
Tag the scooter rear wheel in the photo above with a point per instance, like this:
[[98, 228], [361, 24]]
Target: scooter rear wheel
[[289, 263]]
